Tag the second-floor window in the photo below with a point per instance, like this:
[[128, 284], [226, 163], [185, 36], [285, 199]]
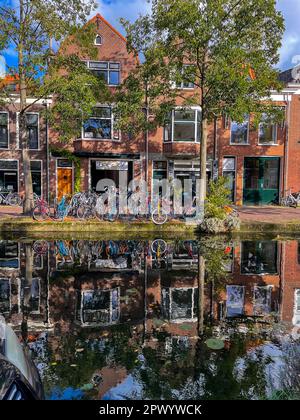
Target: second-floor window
[[100, 126], [187, 81], [32, 126], [108, 71], [240, 132], [3, 130], [183, 125], [267, 131]]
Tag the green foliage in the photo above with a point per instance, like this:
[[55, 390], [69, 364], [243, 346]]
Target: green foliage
[[223, 41], [217, 199]]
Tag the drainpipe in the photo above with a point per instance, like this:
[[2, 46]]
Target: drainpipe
[[47, 154], [286, 145]]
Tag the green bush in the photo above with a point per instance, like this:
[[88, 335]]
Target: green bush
[[217, 199]]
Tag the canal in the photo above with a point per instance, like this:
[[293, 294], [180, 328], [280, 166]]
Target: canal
[[214, 318]]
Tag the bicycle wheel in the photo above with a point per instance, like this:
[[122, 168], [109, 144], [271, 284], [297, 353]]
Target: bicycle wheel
[[159, 246], [40, 247], [14, 200], [159, 217], [41, 213], [81, 212]]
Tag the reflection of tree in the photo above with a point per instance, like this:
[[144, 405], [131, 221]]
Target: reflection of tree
[[73, 368], [289, 376]]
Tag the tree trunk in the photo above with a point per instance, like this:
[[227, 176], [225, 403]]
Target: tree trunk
[[28, 201], [203, 159], [201, 300]]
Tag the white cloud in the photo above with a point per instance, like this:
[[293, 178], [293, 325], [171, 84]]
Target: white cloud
[[291, 40], [129, 9]]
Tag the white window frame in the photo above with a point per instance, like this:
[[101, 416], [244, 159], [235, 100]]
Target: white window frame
[[181, 85], [18, 130], [99, 118], [108, 69], [95, 324], [274, 143], [8, 131], [248, 133], [101, 39], [180, 320], [172, 123]]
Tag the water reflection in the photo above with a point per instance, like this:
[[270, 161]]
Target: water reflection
[[156, 319]]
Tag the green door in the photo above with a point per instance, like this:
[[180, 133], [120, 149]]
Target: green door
[[261, 181]]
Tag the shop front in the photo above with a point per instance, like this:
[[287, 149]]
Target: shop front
[[112, 170]]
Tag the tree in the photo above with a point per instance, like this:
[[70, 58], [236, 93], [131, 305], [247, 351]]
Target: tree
[[227, 48], [31, 28]]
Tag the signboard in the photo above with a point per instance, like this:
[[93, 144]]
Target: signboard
[[111, 165]]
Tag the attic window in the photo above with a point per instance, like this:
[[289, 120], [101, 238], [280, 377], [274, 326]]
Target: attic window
[[98, 40]]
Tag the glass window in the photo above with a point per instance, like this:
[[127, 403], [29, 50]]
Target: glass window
[[267, 131], [100, 306], [180, 304], [3, 130], [187, 77], [186, 126], [235, 301], [271, 172], [32, 126], [4, 295], [259, 258], [239, 132], [229, 173], [36, 174], [100, 125], [110, 72], [98, 40], [251, 174]]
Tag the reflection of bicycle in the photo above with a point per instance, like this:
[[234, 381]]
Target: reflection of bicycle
[[10, 199], [40, 247], [159, 247]]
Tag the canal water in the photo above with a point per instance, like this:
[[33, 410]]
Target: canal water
[[157, 319]]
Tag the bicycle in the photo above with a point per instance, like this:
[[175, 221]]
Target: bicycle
[[41, 211], [10, 199], [291, 200]]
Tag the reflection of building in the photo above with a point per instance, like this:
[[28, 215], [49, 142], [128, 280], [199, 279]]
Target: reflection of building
[[290, 309]]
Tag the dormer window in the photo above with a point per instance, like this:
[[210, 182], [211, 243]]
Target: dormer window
[[98, 40]]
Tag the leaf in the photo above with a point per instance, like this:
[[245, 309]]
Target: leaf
[[215, 343]]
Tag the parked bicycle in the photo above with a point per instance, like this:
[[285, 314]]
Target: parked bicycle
[[10, 199], [41, 211], [291, 199]]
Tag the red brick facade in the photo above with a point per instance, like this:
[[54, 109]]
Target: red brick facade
[[178, 158]]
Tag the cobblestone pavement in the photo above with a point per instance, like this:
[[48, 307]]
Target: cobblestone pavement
[[271, 214]]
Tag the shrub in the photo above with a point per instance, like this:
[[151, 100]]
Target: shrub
[[217, 201]]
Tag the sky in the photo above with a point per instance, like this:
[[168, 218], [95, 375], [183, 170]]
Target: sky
[[113, 10]]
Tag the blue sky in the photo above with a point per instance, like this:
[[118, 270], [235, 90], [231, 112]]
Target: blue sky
[[113, 10]]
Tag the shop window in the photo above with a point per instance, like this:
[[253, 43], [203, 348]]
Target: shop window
[[4, 130], [240, 132]]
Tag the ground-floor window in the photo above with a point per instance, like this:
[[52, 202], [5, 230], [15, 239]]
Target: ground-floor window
[[111, 170], [36, 174], [9, 175], [229, 171]]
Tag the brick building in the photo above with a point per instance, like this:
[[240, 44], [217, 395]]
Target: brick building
[[261, 164]]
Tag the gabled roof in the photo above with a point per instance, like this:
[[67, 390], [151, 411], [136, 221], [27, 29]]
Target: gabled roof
[[98, 16]]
